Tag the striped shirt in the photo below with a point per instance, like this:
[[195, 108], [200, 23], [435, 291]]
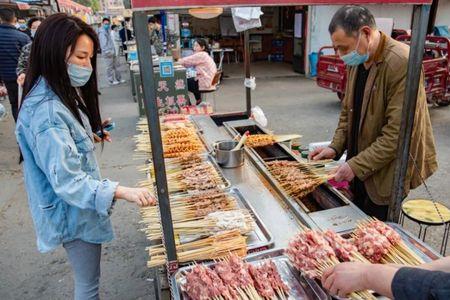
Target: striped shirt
[[11, 43], [204, 66]]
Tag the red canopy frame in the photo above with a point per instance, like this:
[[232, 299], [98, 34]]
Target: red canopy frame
[[142, 7]]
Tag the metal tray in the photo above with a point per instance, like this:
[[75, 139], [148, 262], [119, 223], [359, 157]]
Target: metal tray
[[420, 248], [207, 158], [259, 239], [300, 287]]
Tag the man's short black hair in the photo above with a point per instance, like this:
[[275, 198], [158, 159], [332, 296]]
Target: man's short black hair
[[155, 19], [351, 18], [34, 19], [7, 15], [106, 19]]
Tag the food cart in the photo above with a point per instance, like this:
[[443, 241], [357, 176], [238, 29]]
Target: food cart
[[280, 215]]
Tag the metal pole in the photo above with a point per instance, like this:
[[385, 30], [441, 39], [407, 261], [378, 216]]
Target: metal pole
[[248, 91], [413, 75], [432, 19], [163, 28], [151, 110]]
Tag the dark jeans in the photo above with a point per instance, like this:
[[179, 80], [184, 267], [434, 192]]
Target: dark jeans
[[13, 95], [193, 88], [362, 200]]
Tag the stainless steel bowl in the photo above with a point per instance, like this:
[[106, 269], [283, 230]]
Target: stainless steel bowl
[[226, 157]]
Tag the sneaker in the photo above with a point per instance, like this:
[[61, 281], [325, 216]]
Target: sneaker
[[122, 81], [115, 82]]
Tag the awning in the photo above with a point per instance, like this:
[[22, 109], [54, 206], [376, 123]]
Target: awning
[[167, 4], [22, 6], [76, 7]]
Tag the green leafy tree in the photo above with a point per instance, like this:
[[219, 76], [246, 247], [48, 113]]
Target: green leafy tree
[[95, 5], [84, 2]]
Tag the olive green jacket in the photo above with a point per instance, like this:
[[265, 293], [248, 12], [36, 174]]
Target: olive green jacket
[[380, 124]]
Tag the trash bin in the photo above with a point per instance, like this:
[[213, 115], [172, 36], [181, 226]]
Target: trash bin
[[313, 59]]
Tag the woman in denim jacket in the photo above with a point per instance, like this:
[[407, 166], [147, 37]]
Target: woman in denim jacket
[[69, 201]]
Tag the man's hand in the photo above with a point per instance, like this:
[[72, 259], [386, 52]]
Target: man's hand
[[345, 278], [21, 79], [322, 153], [343, 173]]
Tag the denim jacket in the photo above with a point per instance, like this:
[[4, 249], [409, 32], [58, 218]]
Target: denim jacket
[[67, 197]]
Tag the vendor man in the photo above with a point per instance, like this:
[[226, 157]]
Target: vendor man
[[369, 123]]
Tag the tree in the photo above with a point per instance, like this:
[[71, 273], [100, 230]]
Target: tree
[[95, 5], [84, 2]]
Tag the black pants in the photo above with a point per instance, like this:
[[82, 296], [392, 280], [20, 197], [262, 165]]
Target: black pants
[[12, 88], [193, 88], [362, 200]]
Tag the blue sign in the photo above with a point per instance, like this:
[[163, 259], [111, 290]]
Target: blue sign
[[166, 67]]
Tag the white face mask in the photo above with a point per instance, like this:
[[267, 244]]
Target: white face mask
[[33, 32]]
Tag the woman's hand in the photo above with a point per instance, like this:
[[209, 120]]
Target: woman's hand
[[106, 137], [140, 196], [106, 134], [21, 79]]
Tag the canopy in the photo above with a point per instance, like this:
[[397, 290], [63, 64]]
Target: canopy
[[167, 4], [74, 6]]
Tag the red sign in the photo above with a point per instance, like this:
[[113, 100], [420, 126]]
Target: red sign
[[167, 4], [22, 6]]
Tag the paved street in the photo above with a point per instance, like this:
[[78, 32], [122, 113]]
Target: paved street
[[293, 104]]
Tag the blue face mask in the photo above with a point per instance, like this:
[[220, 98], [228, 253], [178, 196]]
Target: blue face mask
[[354, 58], [106, 26], [78, 75]]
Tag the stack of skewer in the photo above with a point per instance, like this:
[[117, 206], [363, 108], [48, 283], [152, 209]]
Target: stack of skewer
[[214, 247], [380, 243], [232, 278], [295, 178], [311, 253], [194, 177]]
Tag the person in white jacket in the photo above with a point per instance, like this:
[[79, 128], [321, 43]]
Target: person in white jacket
[[109, 53], [116, 39]]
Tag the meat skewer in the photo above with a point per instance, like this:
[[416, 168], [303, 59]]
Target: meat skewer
[[398, 251], [211, 224], [310, 253], [214, 247], [344, 249], [298, 182]]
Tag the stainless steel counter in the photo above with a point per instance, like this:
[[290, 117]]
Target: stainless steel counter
[[280, 221]]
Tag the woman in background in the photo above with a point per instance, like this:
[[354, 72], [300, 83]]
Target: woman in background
[[69, 200], [205, 68], [22, 65]]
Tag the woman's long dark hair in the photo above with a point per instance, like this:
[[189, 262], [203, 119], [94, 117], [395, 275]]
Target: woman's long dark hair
[[55, 36], [203, 43]]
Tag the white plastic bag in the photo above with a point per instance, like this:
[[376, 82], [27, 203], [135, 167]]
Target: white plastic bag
[[245, 18], [259, 116], [250, 83]]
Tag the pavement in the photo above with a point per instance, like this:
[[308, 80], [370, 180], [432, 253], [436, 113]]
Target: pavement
[[293, 104]]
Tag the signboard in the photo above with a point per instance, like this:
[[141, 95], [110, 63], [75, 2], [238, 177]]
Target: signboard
[[167, 4], [23, 3]]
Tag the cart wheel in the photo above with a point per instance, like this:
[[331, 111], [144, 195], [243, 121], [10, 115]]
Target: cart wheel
[[340, 96], [445, 101]]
